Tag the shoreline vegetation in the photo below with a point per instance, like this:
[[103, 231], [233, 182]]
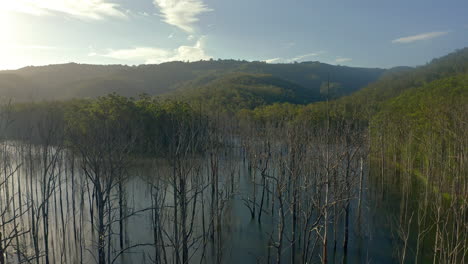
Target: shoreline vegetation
[[307, 166]]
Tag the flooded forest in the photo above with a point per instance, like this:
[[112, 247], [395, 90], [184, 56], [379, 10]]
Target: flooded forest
[[119, 180], [242, 170], [233, 132]]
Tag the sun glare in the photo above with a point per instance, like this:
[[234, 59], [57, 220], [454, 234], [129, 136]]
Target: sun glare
[[21, 6], [7, 40]]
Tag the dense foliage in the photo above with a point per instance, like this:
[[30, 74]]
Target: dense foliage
[[145, 123], [314, 171], [58, 82]]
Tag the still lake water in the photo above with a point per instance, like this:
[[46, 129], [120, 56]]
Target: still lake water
[[244, 240]]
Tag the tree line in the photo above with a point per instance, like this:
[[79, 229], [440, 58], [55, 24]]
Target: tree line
[[314, 173]]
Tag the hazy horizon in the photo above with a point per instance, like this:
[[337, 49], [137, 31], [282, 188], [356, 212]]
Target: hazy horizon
[[365, 34], [219, 59]]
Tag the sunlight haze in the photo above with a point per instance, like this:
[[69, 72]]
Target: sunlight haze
[[353, 33]]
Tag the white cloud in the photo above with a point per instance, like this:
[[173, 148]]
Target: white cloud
[[301, 57], [182, 13], [151, 55], [84, 9], [274, 60], [190, 53], [135, 54], [170, 36], [342, 60], [423, 36], [190, 37], [297, 58]]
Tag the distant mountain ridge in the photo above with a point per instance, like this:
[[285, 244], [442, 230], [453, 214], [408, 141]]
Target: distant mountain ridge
[[72, 80]]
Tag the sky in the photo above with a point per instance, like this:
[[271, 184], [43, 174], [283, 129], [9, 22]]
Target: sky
[[364, 33]]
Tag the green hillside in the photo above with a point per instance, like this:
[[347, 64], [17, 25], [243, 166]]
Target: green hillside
[[66, 81], [377, 96], [392, 84], [237, 91]]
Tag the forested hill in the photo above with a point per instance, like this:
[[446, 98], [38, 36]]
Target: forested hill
[[446, 76], [395, 84], [237, 91], [401, 93], [65, 81]]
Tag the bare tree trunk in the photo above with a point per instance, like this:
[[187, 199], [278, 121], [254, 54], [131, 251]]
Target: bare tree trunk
[[2, 253]]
